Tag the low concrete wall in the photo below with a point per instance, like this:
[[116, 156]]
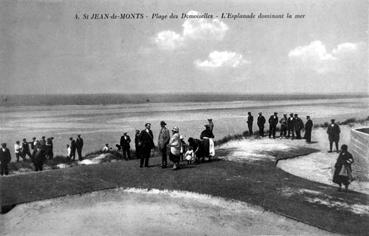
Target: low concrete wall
[[359, 148]]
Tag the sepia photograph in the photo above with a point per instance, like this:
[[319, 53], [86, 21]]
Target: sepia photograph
[[148, 117]]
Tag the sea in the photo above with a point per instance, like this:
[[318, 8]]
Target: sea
[[102, 119]]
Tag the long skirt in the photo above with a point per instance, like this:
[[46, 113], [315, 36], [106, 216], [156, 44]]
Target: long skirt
[[211, 147], [342, 175]]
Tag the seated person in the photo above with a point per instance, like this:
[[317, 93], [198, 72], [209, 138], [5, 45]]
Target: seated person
[[106, 148]]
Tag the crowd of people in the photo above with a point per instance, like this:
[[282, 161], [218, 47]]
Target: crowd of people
[[170, 146], [38, 151], [290, 127], [174, 146]]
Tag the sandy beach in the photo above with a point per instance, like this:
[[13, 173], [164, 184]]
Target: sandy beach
[[139, 211]]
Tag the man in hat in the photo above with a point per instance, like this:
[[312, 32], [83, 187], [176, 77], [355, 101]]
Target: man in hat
[[137, 141], [72, 149], [261, 122], [43, 143], [299, 125], [49, 148], [146, 143], [291, 126], [25, 149], [125, 141], [79, 146], [5, 158], [333, 132], [250, 121], [273, 121], [283, 122], [163, 140], [39, 158], [308, 129]]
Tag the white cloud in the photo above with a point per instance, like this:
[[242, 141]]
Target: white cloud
[[194, 28], [218, 59], [200, 28], [314, 51], [168, 40], [316, 57]]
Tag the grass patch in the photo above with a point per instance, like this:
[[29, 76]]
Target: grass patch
[[350, 122]]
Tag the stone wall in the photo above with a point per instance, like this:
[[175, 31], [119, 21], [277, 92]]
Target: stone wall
[[359, 148]]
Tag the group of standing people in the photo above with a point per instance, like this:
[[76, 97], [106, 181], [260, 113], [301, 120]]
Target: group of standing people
[[172, 145], [75, 146], [289, 126], [38, 152]]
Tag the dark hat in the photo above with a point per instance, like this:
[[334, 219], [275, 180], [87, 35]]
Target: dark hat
[[24, 139], [125, 133], [163, 123], [260, 113], [275, 113], [79, 135], [147, 124], [210, 119], [333, 120], [34, 138], [344, 147], [3, 144], [43, 137], [307, 116]]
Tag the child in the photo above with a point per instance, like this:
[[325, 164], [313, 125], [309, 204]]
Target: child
[[190, 155]]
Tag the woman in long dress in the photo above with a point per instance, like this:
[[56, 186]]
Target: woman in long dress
[[343, 171], [175, 148]]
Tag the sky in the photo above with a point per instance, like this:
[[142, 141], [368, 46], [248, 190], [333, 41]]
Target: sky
[[44, 49]]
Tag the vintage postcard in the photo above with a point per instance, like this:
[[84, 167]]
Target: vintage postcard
[[184, 117]]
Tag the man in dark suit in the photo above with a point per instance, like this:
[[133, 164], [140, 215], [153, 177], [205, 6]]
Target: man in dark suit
[[308, 129], [299, 125], [49, 148], [39, 159], [163, 141], [125, 141], [72, 149], [261, 122], [250, 121], [79, 146], [137, 147], [291, 126], [146, 143], [333, 132], [273, 121], [25, 148], [5, 158]]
